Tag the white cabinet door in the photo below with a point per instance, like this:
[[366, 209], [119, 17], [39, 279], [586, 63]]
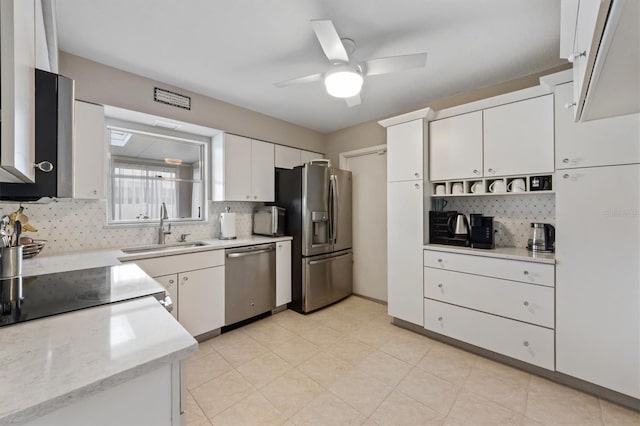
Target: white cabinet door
[[404, 250], [518, 138], [604, 142], [262, 171], [170, 283], [598, 277], [455, 147], [404, 151], [287, 157], [283, 273], [306, 156], [89, 152], [201, 300], [237, 168], [17, 72]]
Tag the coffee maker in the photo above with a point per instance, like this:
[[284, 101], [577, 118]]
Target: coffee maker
[[481, 234], [542, 239]]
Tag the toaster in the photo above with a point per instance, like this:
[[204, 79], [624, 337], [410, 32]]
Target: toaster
[[268, 220]]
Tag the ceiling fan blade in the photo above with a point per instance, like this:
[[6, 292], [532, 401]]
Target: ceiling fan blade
[[353, 100], [329, 40], [395, 63], [300, 80]]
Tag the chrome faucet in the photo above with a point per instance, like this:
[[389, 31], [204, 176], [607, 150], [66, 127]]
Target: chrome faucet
[[161, 232]]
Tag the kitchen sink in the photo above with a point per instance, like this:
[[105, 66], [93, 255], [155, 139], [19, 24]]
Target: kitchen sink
[[160, 247]]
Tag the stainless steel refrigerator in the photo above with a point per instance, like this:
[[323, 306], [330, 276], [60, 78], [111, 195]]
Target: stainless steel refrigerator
[[317, 199]]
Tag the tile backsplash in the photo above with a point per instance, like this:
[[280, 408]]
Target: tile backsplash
[[514, 213], [75, 225]]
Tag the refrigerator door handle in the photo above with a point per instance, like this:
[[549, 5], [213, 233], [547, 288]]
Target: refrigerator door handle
[[334, 208], [329, 259]]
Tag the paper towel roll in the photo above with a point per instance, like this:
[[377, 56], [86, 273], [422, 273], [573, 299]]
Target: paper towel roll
[[227, 226]]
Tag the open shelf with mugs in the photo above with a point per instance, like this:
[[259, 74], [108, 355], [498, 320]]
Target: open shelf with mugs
[[508, 185]]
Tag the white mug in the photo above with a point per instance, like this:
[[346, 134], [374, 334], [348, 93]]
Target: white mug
[[477, 188], [497, 186], [440, 190], [456, 188], [516, 185]]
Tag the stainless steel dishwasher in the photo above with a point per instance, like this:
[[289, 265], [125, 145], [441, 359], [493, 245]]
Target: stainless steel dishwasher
[[250, 282]]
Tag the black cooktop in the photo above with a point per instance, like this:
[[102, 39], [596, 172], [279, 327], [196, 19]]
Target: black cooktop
[[28, 298]]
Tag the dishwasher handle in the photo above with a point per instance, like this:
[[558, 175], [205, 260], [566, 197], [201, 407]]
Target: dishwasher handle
[[249, 251]]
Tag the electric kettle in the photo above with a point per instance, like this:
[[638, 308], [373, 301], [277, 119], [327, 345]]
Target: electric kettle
[[542, 238], [458, 225]]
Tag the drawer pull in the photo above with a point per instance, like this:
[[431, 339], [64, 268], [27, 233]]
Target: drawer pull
[[439, 318], [185, 278], [439, 260], [417, 175], [526, 344], [526, 303], [440, 285], [526, 272], [170, 281]]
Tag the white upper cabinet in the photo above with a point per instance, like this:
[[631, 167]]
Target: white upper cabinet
[[17, 44], [307, 156], [518, 138], [604, 142], [243, 169], [89, 151], [455, 147], [287, 157], [404, 151], [604, 37], [262, 171]]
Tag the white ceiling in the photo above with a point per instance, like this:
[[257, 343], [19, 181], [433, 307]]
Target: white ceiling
[[234, 50]]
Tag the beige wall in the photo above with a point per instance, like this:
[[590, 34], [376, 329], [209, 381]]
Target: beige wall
[[105, 85], [371, 133]]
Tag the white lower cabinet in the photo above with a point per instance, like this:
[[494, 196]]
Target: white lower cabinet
[[195, 282], [598, 276], [404, 250], [503, 305], [151, 399], [525, 342], [283, 273], [201, 300]]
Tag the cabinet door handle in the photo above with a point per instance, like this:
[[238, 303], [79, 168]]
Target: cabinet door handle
[[248, 197], [439, 318], [576, 55], [526, 344], [570, 105], [440, 285], [255, 197], [439, 260], [565, 176], [185, 278], [417, 175], [491, 170], [565, 160], [417, 186], [170, 281], [476, 171], [526, 303]]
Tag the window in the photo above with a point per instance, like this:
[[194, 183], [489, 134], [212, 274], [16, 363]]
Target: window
[[149, 169]]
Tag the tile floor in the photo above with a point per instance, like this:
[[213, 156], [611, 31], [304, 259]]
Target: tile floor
[[347, 364]]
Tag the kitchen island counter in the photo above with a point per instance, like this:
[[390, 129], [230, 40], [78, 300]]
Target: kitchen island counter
[[52, 362]]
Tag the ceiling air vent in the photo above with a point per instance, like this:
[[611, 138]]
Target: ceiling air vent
[[171, 98]]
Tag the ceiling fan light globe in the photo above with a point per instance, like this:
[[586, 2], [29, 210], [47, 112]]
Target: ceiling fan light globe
[[343, 83]]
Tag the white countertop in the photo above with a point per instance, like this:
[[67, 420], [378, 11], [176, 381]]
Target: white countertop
[[513, 253], [48, 363], [95, 258]]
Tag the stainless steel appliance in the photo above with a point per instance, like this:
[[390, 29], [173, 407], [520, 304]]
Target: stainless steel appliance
[[317, 199], [250, 282], [542, 238], [442, 229], [458, 225], [53, 141], [481, 234], [268, 220]]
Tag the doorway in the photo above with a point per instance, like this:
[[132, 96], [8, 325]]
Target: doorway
[[369, 178]]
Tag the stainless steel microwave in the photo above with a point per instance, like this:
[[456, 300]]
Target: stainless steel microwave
[[268, 220]]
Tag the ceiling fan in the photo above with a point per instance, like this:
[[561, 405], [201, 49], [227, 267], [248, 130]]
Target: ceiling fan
[[344, 79]]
